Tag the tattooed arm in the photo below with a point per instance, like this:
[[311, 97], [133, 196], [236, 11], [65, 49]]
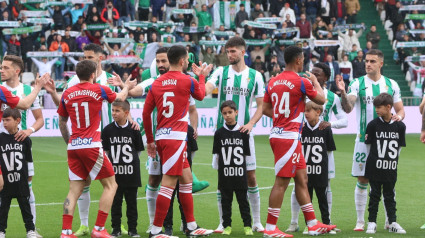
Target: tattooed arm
[[347, 101], [63, 127]]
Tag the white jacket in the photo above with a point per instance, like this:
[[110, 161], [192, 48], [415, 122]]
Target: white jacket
[[350, 40]]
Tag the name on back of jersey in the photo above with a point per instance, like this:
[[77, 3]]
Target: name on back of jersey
[[236, 91], [169, 82], [84, 92], [81, 141], [283, 82]]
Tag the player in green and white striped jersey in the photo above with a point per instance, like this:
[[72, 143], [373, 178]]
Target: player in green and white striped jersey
[[241, 84], [12, 67], [151, 72], [332, 106], [361, 93]]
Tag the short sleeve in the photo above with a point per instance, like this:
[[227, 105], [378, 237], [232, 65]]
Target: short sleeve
[[145, 85], [28, 150], [191, 101], [215, 77], [246, 149], [72, 82], [107, 94], [62, 108], [308, 89], [396, 91], [369, 136], [259, 85], [8, 98], [138, 141], [330, 143], [105, 139], [402, 133], [353, 88], [216, 145]]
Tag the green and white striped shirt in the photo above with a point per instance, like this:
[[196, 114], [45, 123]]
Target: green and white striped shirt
[[241, 87], [333, 104], [22, 90], [365, 90]]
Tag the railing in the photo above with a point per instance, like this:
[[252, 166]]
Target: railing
[[411, 101]]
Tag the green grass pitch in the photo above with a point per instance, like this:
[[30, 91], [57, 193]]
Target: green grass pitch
[[51, 185]]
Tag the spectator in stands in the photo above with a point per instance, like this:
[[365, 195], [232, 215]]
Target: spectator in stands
[[374, 37], [96, 38], [334, 67], [321, 26], [70, 41], [353, 7], [256, 11], [307, 54], [5, 14], [326, 10], [346, 69], [311, 7], [82, 38], [241, 16], [143, 10], [273, 66], [122, 69], [124, 10], [278, 50], [77, 26], [77, 12], [421, 37], [94, 11], [275, 6], [398, 16], [110, 14], [154, 38], [209, 56], [44, 66], [305, 27], [353, 53], [141, 39], [185, 18], [259, 51], [314, 60], [340, 12], [350, 38], [368, 47], [60, 46], [27, 44], [158, 8], [221, 58], [116, 50], [170, 5], [359, 66], [40, 42], [259, 65], [288, 21], [401, 31], [58, 16], [204, 17], [14, 46], [287, 10]]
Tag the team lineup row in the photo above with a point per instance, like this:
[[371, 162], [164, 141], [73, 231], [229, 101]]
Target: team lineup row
[[283, 101]]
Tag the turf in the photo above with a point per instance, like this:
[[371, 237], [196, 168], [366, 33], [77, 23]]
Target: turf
[[50, 186]]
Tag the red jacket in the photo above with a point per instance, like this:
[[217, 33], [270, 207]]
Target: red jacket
[[305, 28], [104, 15]]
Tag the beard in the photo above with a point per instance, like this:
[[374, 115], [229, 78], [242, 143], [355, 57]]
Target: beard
[[162, 70], [236, 61]]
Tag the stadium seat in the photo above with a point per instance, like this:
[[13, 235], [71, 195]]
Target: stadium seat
[[27, 77]]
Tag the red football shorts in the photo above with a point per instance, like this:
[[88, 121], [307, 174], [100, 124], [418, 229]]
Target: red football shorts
[[173, 155], [288, 157], [89, 161]]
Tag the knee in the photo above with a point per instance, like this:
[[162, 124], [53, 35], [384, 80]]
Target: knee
[[154, 180], [252, 179]]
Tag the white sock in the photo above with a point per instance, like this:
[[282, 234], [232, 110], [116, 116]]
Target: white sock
[[32, 202], [99, 228], [312, 222], [155, 230], [220, 209], [254, 200], [84, 206], [295, 208], [151, 195], [192, 225], [360, 199], [67, 232], [329, 196]]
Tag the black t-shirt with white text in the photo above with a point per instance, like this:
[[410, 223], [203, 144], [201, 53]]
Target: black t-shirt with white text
[[123, 145], [231, 147], [385, 140], [14, 160], [316, 145]]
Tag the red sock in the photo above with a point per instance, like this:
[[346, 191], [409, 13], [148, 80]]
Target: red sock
[[273, 215], [186, 199], [67, 222], [162, 205], [308, 212], [101, 218]]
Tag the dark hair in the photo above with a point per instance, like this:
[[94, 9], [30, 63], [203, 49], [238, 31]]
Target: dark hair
[[85, 69], [175, 53], [228, 103], [162, 50], [376, 52], [16, 61], [383, 99], [125, 105], [93, 47], [325, 68], [12, 112], [292, 53], [314, 106], [235, 41]]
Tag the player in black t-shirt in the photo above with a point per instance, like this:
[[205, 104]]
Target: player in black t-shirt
[[385, 137], [15, 157], [123, 146], [316, 146], [231, 147]]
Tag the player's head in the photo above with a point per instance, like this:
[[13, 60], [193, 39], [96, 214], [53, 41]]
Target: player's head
[[383, 104], [11, 67], [162, 60], [120, 110], [312, 112], [374, 61], [294, 58], [177, 56], [11, 119], [86, 70], [229, 110], [93, 52], [322, 73], [235, 49]]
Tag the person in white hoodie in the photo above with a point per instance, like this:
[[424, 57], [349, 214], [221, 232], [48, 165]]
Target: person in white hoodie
[[350, 38], [44, 66], [287, 10]]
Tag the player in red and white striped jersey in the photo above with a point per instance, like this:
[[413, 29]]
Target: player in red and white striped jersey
[[170, 94], [83, 104]]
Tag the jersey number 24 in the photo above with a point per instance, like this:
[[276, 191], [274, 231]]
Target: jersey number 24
[[283, 107]]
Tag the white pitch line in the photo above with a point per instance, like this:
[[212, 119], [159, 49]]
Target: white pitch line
[[259, 167], [141, 198]]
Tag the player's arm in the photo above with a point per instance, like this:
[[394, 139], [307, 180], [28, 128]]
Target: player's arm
[[212, 81], [38, 124], [51, 88], [141, 89], [320, 96], [198, 91], [1, 181], [347, 100], [255, 118], [63, 127], [399, 110], [26, 102], [341, 117], [267, 104], [193, 117], [129, 84], [147, 123]]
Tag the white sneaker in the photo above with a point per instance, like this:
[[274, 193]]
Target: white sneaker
[[359, 226], [387, 225], [2, 235], [258, 227], [38, 234], [396, 228], [219, 229], [31, 234], [149, 229], [371, 228], [333, 232], [293, 227], [305, 232]]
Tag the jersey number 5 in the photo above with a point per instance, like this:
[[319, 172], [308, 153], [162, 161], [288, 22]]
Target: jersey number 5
[[86, 113], [283, 107], [168, 104]]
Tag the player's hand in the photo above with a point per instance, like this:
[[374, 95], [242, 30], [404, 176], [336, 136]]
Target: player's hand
[[22, 134], [324, 124], [396, 117], [423, 137], [311, 76], [246, 128], [116, 81], [201, 70], [41, 81], [151, 149], [195, 133], [50, 86], [134, 125], [130, 83], [340, 84]]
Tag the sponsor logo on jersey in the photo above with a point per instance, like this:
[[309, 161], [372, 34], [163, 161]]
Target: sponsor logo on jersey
[[277, 130], [163, 131], [81, 141], [368, 99], [236, 91]]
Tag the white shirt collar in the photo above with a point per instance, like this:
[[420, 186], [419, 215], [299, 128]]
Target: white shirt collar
[[125, 125], [234, 128]]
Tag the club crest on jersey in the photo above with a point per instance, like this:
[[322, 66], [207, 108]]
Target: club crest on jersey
[[361, 166], [163, 131], [81, 141]]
